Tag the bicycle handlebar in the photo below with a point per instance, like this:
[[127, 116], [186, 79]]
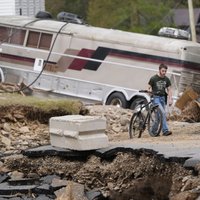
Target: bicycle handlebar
[[148, 92], [145, 91]]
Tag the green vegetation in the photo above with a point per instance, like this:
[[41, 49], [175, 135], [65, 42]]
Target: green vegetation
[[145, 16], [45, 105], [136, 16], [74, 6]]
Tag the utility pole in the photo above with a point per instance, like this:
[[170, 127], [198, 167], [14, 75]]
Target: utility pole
[[191, 16]]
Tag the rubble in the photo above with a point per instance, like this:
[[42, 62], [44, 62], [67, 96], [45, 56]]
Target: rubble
[[189, 105], [110, 177]]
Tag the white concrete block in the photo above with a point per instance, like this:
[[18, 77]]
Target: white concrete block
[[78, 132]]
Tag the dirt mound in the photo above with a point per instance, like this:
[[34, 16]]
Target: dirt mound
[[124, 177], [120, 178]]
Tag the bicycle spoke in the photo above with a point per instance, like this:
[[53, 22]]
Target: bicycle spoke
[[155, 122], [136, 126]]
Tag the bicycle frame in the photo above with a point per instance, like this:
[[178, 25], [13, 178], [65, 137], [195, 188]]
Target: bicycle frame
[[144, 118]]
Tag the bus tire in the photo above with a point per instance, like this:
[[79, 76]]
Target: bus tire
[[2, 77], [134, 103], [117, 99]]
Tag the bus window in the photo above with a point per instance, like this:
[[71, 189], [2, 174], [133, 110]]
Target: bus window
[[4, 34], [17, 36], [33, 39], [45, 41]]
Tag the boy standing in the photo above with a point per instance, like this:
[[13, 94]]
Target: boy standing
[[159, 84]]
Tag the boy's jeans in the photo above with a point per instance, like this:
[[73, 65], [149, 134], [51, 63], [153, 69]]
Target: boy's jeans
[[160, 100]]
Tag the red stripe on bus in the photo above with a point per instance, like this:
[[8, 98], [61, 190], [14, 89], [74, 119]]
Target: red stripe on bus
[[18, 58], [79, 64]]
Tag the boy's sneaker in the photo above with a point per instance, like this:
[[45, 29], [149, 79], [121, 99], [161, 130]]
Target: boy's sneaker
[[167, 133]]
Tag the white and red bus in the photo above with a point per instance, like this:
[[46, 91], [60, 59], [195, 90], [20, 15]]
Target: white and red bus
[[96, 64]]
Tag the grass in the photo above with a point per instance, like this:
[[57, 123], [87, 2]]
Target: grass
[[46, 105]]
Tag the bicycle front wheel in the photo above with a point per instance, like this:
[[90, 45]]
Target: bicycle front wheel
[[136, 125], [155, 122]]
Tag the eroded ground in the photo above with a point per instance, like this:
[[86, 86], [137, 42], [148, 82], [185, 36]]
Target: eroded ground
[[125, 176]]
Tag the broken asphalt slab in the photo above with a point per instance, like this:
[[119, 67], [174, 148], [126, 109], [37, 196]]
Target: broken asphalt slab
[[189, 156], [105, 153], [192, 162], [49, 150], [46, 185], [7, 189]]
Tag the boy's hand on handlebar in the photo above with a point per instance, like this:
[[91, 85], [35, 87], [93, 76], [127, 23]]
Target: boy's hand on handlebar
[[150, 91], [170, 102]]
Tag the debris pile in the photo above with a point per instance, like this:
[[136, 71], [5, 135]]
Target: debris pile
[[13, 88], [6, 87], [117, 119], [123, 176], [189, 105], [118, 174]]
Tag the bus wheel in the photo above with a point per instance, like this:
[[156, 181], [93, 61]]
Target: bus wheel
[[117, 99], [134, 103], [2, 78]]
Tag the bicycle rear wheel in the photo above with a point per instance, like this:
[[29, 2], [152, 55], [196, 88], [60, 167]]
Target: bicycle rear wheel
[[155, 122], [136, 126]]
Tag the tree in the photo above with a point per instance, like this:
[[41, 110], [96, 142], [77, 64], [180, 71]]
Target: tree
[[130, 15], [145, 16], [78, 7], [54, 6], [106, 13]]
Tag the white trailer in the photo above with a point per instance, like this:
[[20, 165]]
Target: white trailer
[[97, 64]]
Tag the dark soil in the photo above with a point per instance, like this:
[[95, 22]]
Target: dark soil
[[128, 176]]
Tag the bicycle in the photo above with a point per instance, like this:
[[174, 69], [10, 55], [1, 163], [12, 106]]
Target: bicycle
[[147, 114]]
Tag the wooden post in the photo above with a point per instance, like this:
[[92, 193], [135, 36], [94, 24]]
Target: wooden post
[[191, 16]]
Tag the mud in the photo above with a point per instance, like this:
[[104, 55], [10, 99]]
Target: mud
[[138, 175], [132, 175]]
